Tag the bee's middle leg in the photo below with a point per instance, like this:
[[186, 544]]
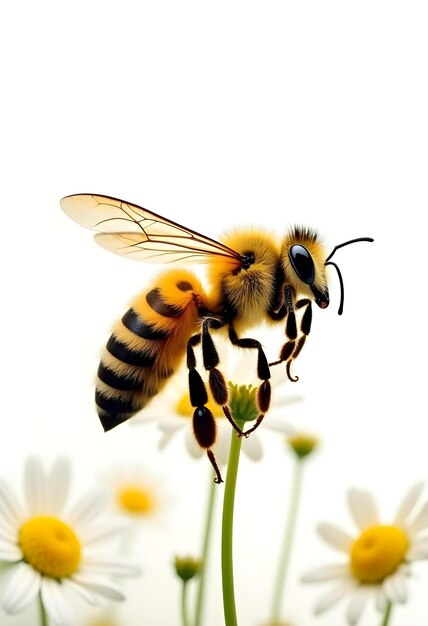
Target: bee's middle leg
[[263, 372]]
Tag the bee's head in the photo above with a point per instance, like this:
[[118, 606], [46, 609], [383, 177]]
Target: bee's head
[[304, 261]]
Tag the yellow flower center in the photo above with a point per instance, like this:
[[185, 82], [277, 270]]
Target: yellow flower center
[[50, 546], [377, 553], [135, 500], [185, 409]]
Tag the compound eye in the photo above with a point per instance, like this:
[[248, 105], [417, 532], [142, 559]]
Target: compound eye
[[302, 263]]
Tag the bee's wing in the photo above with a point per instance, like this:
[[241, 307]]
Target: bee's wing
[[129, 230]]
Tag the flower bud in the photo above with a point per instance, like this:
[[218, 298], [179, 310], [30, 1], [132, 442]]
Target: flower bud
[[302, 444], [187, 567]]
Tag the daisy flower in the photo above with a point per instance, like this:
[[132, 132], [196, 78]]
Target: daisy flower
[[137, 497], [51, 549], [378, 559], [135, 494]]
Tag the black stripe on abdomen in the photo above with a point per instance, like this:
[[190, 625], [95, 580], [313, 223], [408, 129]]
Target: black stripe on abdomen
[[117, 381], [133, 322], [114, 404], [120, 350], [158, 304]]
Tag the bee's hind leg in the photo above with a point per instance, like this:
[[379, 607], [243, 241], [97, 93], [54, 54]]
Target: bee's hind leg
[[218, 479], [204, 427]]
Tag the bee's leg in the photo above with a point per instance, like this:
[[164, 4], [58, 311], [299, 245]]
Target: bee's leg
[[240, 432], [211, 359], [287, 311], [218, 479], [305, 325], [292, 348], [204, 427], [305, 329], [216, 379], [263, 371]]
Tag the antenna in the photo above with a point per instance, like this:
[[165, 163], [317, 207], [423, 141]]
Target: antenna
[[328, 262]]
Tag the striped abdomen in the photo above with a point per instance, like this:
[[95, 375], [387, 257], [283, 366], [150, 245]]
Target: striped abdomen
[[147, 345]]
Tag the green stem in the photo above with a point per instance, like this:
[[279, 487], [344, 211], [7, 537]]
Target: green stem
[[205, 548], [227, 530], [285, 552], [385, 619], [43, 615], [184, 614]]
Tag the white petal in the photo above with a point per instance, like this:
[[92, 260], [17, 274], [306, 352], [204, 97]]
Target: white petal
[[173, 425], [58, 485], [420, 522], [35, 487], [143, 418], [166, 438], [328, 572], [333, 596], [55, 603], [363, 508], [88, 508], [9, 552], [99, 585], [335, 537], [418, 550], [222, 447], [8, 533], [109, 567], [408, 503], [381, 599], [252, 447], [357, 604], [101, 532], [395, 587], [193, 448], [10, 509], [283, 397], [82, 591], [22, 588], [279, 426]]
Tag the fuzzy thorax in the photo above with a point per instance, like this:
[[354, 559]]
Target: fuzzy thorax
[[247, 291]]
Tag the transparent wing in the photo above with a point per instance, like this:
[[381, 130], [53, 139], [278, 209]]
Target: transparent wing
[[129, 230]]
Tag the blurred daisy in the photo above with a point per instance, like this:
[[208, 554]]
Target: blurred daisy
[[51, 549], [378, 559], [173, 412], [135, 494]]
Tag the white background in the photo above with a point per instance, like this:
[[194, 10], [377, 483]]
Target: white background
[[217, 114]]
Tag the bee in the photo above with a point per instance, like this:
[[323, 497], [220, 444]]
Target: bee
[[253, 278]]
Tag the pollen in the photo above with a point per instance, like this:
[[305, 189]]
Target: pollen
[[50, 546], [136, 500], [377, 553], [185, 409]]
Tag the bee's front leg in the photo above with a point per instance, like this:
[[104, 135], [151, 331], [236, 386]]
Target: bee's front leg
[[292, 348]]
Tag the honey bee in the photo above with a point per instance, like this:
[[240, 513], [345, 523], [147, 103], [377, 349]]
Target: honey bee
[[253, 278]]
